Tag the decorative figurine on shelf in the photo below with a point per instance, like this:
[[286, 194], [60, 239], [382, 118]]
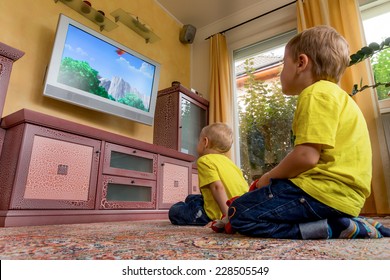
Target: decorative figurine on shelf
[[175, 83], [99, 16], [86, 7]]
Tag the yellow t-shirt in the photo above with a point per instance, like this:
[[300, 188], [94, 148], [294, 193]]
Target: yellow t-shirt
[[327, 115], [217, 167]]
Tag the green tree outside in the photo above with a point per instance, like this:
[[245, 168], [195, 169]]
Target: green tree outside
[[265, 119], [381, 66]]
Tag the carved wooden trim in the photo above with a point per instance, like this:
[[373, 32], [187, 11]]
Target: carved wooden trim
[[10, 52], [8, 55]]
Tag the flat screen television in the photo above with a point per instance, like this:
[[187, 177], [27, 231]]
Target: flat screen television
[[90, 70]]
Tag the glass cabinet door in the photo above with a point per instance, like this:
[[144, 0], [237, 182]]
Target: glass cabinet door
[[193, 118], [131, 162], [125, 161], [127, 193]]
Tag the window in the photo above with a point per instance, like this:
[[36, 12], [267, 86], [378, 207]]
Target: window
[[376, 19], [264, 113]]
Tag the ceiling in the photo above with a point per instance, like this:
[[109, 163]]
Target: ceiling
[[201, 13]]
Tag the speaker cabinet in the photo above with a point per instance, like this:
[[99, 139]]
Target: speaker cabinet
[[187, 34]]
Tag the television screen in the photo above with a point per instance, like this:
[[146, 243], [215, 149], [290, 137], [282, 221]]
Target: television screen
[[93, 71]]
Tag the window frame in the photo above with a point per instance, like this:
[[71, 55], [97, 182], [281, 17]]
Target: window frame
[[370, 10], [244, 53]]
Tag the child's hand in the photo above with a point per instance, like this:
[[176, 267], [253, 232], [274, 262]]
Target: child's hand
[[263, 181], [208, 224], [222, 226], [253, 185]]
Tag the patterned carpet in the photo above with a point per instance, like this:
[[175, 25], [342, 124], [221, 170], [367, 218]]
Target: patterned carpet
[[158, 240]]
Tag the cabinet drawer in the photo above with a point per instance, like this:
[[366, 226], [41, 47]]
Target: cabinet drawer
[[127, 193], [125, 161]]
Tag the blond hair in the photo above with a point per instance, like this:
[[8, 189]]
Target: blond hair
[[220, 136], [327, 49]]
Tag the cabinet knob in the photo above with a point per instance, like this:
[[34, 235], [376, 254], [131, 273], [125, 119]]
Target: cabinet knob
[[134, 151], [132, 181]]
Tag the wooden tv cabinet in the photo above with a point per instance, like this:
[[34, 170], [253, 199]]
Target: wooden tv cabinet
[[54, 171]]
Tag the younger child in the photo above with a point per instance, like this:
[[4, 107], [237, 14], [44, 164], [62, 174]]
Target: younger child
[[219, 180], [318, 190]]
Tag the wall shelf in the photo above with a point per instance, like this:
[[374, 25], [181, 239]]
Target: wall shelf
[[90, 13], [133, 22]]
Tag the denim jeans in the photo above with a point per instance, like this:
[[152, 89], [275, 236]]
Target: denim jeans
[[189, 212], [281, 210]]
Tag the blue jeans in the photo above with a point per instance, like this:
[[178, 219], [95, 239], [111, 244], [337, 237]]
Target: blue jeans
[[189, 212], [281, 210]]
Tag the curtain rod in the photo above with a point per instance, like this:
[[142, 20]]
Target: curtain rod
[[249, 20]]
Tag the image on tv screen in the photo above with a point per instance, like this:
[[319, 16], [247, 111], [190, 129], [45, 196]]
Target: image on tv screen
[[99, 68]]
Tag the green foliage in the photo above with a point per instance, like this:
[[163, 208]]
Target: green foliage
[[133, 100], [79, 74], [379, 55], [265, 124], [381, 66], [368, 51]]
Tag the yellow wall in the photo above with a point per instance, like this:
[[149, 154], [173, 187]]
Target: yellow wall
[[29, 25]]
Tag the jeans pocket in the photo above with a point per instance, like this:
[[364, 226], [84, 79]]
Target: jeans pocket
[[319, 210], [294, 210], [310, 209]]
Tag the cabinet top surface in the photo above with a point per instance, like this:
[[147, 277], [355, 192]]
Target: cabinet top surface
[[182, 89], [31, 117], [10, 52]]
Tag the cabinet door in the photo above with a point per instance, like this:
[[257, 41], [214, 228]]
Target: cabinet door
[[2, 136], [125, 161], [174, 181], [127, 193], [193, 117], [195, 182], [55, 170]]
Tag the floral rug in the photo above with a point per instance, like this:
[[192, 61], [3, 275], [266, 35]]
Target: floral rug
[[160, 240]]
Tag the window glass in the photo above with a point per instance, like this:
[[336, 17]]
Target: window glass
[[264, 113], [376, 19]]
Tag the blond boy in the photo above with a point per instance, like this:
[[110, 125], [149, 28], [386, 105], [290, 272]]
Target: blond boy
[[219, 179], [319, 188]]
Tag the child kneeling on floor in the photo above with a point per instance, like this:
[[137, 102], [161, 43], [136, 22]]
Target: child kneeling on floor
[[318, 190], [219, 180]]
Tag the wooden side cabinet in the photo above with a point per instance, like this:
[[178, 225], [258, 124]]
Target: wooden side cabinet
[[180, 116], [53, 171]]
